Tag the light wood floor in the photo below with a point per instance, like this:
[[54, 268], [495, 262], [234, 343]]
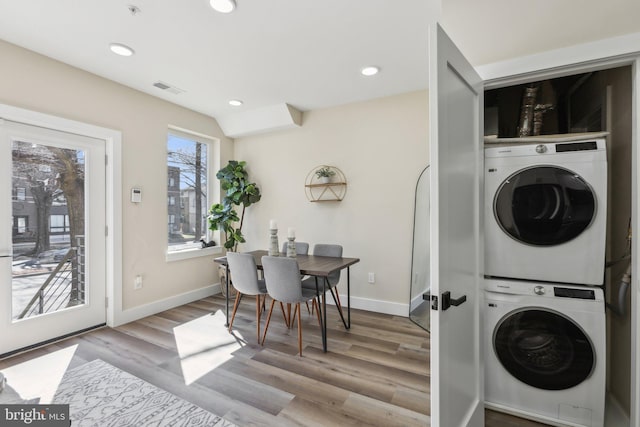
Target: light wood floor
[[376, 374]]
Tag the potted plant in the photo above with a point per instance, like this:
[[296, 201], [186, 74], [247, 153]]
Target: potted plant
[[234, 181], [324, 174]]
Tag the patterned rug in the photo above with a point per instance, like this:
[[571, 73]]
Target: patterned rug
[[102, 395]]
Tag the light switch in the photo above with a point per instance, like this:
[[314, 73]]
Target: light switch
[[136, 195]]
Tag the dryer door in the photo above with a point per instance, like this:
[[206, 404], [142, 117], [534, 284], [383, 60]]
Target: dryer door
[[544, 205], [543, 349]]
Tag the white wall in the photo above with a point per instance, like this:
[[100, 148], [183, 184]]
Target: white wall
[[381, 146], [35, 82]]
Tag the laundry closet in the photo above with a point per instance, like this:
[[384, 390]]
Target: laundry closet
[[559, 151]]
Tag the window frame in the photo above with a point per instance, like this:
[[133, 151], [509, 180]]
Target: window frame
[[212, 193]]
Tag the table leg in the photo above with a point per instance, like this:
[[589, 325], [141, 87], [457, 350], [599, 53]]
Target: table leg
[[322, 311], [227, 293], [348, 298], [324, 314]]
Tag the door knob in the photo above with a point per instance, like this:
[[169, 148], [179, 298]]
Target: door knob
[[447, 301]]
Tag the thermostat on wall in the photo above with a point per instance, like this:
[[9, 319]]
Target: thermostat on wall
[[136, 195]]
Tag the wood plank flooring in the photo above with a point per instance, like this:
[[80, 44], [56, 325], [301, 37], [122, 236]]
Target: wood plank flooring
[[376, 374]]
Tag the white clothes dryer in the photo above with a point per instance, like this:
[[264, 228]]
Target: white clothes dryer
[[545, 211], [545, 349]]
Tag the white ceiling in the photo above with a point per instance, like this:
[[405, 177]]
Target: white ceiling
[[489, 31], [306, 53]]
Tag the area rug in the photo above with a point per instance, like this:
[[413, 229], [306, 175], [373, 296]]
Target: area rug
[[102, 395]]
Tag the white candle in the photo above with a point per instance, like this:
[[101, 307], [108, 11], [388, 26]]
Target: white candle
[[273, 225], [291, 232]]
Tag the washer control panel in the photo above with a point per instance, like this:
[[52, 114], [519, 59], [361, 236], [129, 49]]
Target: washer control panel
[[539, 290], [540, 149]]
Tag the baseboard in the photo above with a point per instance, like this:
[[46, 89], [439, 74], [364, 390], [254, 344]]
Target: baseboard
[[132, 314], [614, 415], [126, 316], [386, 307], [417, 301]]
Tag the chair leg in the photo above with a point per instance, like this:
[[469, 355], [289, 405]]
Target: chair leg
[[235, 308], [287, 321], [297, 309], [266, 326], [337, 296], [308, 311], [258, 312], [315, 306]]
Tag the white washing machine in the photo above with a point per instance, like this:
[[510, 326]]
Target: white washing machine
[[545, 351], [545, 211]]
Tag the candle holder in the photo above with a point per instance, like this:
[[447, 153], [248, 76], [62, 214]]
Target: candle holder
[[273, 247], [291, 247]]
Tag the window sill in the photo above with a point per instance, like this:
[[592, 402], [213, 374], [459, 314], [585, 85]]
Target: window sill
[[193, 253]]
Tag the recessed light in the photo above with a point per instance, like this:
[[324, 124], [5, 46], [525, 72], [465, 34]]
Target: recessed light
[[223, 6], [236, 103], [120, 49], [370, 71]]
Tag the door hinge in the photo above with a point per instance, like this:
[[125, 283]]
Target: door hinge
[[106, 302], [434, 302], [106, 160], [106, 230]]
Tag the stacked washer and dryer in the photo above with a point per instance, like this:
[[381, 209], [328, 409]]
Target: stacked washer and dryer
[[545, 233]]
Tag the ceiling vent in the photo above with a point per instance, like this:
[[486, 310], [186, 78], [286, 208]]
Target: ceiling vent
[[166, 86]]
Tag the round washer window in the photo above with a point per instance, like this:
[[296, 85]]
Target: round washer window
[[543, 349], [544, 205]]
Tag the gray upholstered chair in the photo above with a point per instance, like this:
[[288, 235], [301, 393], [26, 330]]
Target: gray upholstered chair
[[302, 248], [245, 280], [282, 276], [323, 249]]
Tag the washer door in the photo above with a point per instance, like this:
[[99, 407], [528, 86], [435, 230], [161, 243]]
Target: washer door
[[543, 349], [544, 205]]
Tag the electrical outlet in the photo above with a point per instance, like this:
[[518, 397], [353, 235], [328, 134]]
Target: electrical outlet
[[372, 278], [137, 283]]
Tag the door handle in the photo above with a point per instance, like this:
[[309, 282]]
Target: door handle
[[447, 301]]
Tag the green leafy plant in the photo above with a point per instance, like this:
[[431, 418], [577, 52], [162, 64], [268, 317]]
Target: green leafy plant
[[234, 181], [325, 172]]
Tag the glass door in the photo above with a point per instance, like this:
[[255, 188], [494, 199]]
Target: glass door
[[52, 245]]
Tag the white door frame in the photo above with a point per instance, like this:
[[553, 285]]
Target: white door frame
[[113, 143], [603, 54]]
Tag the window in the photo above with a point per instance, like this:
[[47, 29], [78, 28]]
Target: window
[[20, 224], [21, 193], [59, 223], [189, 158]]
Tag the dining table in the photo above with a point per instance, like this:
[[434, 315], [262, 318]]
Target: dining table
[[316, 266]]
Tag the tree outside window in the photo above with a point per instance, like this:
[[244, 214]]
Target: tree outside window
[[187, 169]]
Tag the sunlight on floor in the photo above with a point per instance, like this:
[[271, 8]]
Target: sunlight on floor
[[204, 344], [36, 380]]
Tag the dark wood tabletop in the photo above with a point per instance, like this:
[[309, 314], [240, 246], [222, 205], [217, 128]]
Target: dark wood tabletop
[[311, 265]]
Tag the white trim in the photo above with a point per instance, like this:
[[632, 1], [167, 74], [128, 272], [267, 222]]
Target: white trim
[[582, 54], [113, 143], [193, 253], [155, 307], [417, 300], [377, 306]]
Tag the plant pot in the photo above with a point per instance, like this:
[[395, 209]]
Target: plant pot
[[324, 179]]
